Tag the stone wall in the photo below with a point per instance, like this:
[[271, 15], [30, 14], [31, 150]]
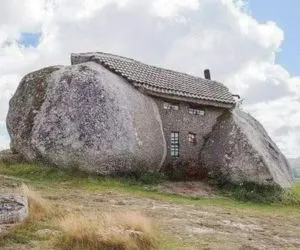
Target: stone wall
[[183, 122]]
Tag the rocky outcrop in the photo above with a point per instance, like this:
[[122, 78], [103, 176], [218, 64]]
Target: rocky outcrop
[[13, 208], [24, 106], [239, 149], [87, 117]]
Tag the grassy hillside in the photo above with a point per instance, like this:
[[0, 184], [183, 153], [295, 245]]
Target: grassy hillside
[[216, 220]]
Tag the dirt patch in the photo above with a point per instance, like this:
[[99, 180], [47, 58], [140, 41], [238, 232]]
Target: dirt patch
[[192, 225], [188, 189]]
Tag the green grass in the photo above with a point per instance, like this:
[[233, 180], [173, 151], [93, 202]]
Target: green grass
[[42, 175], [49, 179], [265, 194], [296, 189], [22, 233]]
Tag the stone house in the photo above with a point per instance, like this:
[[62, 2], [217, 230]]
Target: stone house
[[189, 106], [108, 115]]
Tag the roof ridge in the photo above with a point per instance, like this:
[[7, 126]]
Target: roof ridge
[[155, 66], [157, 79]]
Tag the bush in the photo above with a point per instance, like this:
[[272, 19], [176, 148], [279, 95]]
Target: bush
[[290, 197], [250, 191], [152, 178]]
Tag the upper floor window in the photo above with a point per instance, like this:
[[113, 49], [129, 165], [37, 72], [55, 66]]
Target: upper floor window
[[196, 111], [192, 138], [171, 106], [174, 144]]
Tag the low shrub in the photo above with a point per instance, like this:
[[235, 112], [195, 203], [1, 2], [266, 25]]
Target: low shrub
[[251, 191], [291, 197], [152, 178], [257, 193]]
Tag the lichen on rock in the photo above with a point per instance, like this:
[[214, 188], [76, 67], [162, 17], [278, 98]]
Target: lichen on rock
[[87, 117], [240, 150], [13, 209], [23, 108]]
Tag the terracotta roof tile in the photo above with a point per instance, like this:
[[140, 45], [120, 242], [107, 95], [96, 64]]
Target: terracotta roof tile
[[160, 80]]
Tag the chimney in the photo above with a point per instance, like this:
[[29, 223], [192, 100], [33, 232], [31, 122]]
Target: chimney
[[207, 74]]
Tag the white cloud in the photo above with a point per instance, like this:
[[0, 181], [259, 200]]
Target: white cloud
[[282, 119], [166, 8], [186, 35], [22, 15]]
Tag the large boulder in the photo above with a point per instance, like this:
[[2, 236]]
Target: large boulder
[[24, 106], [239, 149], [86, 117], [13, 209]]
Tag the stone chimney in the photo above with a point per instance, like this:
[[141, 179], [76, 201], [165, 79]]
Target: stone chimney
[[207, 74]]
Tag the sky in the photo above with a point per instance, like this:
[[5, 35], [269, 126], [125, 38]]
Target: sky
[[249, 45], [287, 17]]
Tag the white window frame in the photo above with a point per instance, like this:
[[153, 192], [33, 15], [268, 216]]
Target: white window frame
[[192, 138], [174, 145], [195, 111], [171, 106]]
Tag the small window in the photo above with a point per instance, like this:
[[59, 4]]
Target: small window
[[192, 138], [174, 144], [171, 106], [194, 111]]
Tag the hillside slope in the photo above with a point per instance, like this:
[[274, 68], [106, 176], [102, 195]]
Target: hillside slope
[[214, 222]]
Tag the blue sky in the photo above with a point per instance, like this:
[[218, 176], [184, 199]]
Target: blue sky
[[4, 137], [29, 39], [286, 13]]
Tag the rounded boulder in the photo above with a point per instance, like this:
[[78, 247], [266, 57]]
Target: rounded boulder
[[86, 117]]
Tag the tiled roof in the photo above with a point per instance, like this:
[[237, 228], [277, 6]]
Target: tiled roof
[[159, 80]]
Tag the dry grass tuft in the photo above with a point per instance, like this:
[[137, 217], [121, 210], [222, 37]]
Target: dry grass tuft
[[39, 208], [116, 231], [128, 231]]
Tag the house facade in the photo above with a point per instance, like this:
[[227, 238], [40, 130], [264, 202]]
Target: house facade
[[189, 106], [185, 127]]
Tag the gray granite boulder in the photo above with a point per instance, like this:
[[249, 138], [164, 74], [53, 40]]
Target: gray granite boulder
[[13, 208], [239, 149], [23, 108], [86, 117]]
